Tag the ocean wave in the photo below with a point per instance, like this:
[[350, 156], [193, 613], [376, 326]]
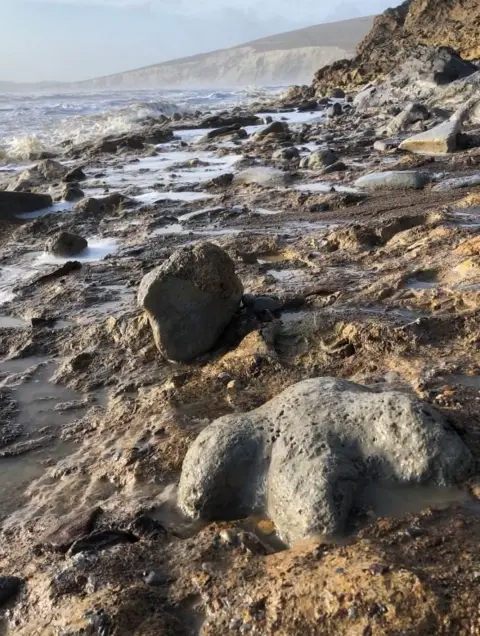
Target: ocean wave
[[56, 123]]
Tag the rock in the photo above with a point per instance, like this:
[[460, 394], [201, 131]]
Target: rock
[[66, 244], [218, 132], [337, 93], [385, 145], [406, 180], [59, 272], [335, 110], [68, 531], [410, 115], [319, 159], [223, 119], [75, 174], [309, 455], [95, 207], [9, 588], [13, 203], [275, 128], [51, 170], [261, 304], [457, 183], [101, 540], [437, 141], [338, 166], [266, 177], [286, 154], [71, 192], [308, 106], [190, 300]]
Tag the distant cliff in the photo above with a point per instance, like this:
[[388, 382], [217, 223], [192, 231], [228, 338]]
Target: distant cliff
[[287, 58]]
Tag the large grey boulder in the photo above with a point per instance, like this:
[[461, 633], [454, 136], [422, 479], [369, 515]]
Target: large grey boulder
[[13, 203], [263, 176], [405, 180], [309, 456], [190, 299], [66, 244]]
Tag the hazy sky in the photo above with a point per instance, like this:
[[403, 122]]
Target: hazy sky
[[79, 39]]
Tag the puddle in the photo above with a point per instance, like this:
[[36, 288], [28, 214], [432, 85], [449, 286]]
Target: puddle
[[293, 317], [290, 277], [155, 197], [322, 186], [12, 322], [389, 500], [63, 206], [36, 398], [263, 259], [414, 283], [264, 212]]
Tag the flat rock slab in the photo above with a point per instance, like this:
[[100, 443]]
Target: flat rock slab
[[458, 183], [266, 177], [391, 180], [440, 140], [13, 203], [308, 456]]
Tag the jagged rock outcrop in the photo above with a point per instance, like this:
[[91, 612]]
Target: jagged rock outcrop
[[434, 23]]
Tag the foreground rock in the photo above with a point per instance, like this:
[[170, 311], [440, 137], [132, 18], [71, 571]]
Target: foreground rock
[[66, 244], [190, 299], [309, 455], [13, 203], [407, 180]]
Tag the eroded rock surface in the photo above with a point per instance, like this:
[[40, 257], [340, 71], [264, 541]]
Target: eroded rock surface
[[307, 455]]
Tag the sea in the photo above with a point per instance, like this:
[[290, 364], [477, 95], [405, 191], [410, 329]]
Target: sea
[[30, 123]]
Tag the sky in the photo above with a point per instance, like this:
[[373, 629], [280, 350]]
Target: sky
[[71, 40]]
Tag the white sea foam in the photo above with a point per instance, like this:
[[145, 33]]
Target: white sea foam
[[39, 122]]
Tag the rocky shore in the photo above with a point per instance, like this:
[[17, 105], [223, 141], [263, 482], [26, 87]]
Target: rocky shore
[[240, 369]]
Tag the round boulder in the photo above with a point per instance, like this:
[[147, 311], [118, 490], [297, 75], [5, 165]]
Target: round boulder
[[190, 299], [66, 244]]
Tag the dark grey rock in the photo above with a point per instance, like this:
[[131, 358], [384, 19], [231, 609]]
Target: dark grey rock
[[308, 455], [335, 110], [190, 300], [66, 244], [75, 174], [97, 541], [13, 203]]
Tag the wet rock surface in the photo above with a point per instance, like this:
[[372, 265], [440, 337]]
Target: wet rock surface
[[306, 456]]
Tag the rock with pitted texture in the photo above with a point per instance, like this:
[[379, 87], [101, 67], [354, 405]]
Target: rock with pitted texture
[[308, 456]]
